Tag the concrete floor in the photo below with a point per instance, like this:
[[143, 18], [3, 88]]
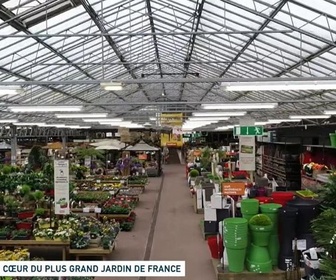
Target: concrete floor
[[167, 228]]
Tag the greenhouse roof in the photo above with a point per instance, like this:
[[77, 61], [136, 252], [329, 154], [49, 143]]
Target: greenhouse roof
[[169, 55]]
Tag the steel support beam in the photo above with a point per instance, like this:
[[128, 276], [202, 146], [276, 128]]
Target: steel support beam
[[249, 42], [6, 14], [132, 34], [28, 81], [150, 63], [157, 103], [151, 22], [197, 18], [95, 18]]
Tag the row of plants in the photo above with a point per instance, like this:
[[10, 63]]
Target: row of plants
[[98, 186]]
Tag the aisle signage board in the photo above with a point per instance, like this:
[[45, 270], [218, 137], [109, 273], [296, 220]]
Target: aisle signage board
[[233, 188], [247, 153], [248, 130], [61, 187]]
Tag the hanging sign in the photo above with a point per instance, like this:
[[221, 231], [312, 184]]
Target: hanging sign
[[61, 187], [233, 188], [247, 153]]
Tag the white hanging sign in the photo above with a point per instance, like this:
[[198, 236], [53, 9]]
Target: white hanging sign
[[61, 187]]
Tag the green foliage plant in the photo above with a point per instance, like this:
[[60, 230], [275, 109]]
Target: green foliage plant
[[193, 173]]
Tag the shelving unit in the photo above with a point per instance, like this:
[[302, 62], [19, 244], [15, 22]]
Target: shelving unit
[[281, 161]]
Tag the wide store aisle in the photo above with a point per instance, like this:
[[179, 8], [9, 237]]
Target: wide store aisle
[[167, 228], [177, 234]]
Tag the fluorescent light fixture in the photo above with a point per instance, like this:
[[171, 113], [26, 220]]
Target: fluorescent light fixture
[[77, 127], [282, 120], [261, 123], [330, 112], [113, 86], [103, 120], [231, 106], [53, 125], [310, 117], [45, 109], [219, 114], [208, 119], [222, 128], [10, 90], [8, 121], [88, 115], [152, 119], [279, 85], [28, 124]]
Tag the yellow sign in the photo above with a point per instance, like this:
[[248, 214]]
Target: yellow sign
[[175, 121], [171, 119]]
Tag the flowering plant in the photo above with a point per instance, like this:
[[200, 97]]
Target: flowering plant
[[64, 233], [43, 221], [44, 233]]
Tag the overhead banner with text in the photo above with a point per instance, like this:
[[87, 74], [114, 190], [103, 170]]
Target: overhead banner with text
[[61, 187], [174, 121], [247, 153]]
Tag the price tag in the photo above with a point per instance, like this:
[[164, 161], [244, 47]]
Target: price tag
[[112, 192], [301, 244], [122, 181], [192, 183], [86, 210], [97, 210], [98, 181]]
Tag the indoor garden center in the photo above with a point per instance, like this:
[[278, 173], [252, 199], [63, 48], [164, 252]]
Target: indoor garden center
[[151, 139]]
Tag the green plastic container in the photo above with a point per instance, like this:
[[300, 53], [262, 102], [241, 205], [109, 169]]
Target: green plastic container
[[249, 206], [271, 210], [247, 216], [260, 235], [235, 232], [259, 267], [236, 259], [332, 139], [258, 254], [274, 248]]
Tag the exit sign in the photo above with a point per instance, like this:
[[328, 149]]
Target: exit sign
[[248, 130]]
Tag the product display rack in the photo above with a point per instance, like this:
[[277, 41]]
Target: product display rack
[[281, 161]]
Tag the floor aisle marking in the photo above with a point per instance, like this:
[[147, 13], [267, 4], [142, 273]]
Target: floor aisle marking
[[150, 239]]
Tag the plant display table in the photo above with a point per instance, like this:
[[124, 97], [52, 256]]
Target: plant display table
[[97, 252], [34, 243]]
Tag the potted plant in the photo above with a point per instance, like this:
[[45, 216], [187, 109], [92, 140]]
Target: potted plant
[[193, 174], [45, 223], [4, 233], [21, 234], [63, 235], [39, 198], [40, 212], [260, 227], [107, 242], [11, 206], [24, 224], [43, 234]]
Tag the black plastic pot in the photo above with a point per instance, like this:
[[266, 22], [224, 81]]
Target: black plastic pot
[[308, 210], [287, 219]]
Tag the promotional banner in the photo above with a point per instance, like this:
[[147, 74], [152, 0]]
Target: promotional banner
[[247, 153], [61, 187], [175, 121]]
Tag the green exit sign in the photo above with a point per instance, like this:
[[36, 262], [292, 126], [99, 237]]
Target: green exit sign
[[248, 130]]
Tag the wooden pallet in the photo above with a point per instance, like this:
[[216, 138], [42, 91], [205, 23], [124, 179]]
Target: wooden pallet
[[277, 274]]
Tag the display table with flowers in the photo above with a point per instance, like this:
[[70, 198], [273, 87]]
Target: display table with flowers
[[36, 243]]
